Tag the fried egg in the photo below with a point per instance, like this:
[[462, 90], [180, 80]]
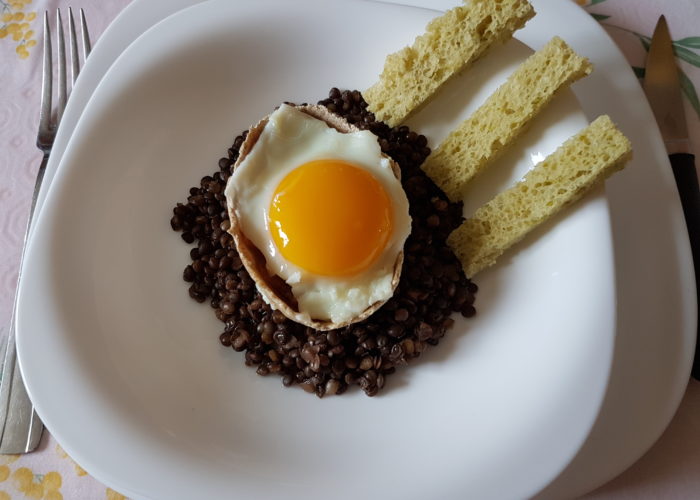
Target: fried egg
[[313, 201]]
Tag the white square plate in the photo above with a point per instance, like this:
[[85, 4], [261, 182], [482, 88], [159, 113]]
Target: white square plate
[[511, 394]]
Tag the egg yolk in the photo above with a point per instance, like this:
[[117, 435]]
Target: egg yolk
[[331, 218]]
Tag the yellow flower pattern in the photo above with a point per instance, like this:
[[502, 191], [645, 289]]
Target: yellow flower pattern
[[110, 494], [78, 469], [15, 25], [18, 482], [113, 495], [38, 486]]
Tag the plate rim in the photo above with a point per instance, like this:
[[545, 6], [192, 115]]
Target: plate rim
[[105, 476], [137, 4]]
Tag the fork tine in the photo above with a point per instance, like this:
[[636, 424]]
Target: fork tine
[[73, 41], [46, 79], [62, 90], [87, 46]]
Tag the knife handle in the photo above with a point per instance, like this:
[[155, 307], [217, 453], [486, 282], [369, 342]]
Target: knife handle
[[683, 165]]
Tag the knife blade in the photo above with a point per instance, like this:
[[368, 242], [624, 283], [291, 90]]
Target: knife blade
[[663, 90]]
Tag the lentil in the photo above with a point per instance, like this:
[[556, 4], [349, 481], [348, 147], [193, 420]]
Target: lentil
[[432, 284]]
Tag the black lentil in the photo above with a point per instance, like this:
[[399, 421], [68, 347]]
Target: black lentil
[[431, 288]]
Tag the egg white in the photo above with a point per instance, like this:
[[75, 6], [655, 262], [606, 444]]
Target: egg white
[[290, 139]]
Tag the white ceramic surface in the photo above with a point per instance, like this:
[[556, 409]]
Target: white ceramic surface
[[140, 362], [655, 331]]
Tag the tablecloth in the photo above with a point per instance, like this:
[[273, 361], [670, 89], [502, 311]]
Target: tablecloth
[[671, 469]]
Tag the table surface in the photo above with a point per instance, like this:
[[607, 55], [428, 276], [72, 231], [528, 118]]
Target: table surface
[[671, 469]]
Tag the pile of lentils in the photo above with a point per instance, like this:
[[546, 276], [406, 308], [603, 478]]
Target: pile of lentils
[[432, 284]]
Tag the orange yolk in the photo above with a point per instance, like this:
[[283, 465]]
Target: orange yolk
[[331, 218]]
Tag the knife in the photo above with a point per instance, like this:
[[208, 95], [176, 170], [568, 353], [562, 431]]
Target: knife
[[663, 89]]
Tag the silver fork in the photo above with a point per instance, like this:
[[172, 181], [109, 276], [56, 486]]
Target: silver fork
[[20, 427]]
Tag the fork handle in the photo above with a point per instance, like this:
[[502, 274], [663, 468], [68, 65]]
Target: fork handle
[[35, 197], [27, 230], [20, 427]]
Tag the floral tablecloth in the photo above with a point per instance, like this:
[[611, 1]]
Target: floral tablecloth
[[670, 470]]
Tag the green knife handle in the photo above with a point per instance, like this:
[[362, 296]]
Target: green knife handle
[[683, 165]]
